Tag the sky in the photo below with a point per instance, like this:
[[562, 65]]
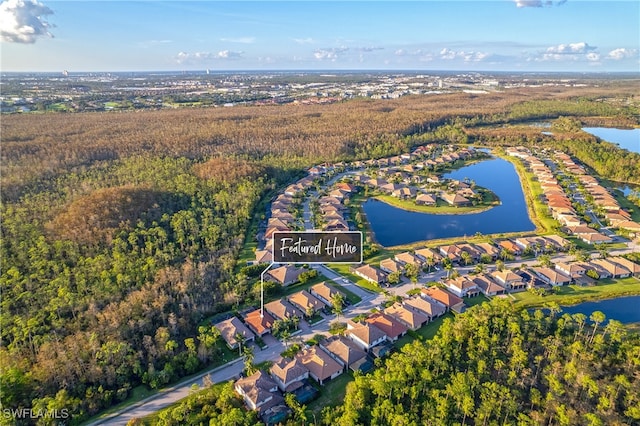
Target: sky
[[151, 35]]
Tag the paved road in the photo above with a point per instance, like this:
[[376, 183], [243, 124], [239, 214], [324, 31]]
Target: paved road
[[171, 395]]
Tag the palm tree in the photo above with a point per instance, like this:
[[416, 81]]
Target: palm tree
[[448, 267], [430, 262], [240, 339], [337, 302], [248, 360], [466, 257]]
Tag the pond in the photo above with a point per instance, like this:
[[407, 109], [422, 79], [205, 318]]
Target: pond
[[623, 309], [628, 139], [394, 226]]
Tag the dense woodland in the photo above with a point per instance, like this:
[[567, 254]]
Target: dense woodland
[[496, 365], [121, 231]]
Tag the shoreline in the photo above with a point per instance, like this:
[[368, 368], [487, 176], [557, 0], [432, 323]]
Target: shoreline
[[417, 209]]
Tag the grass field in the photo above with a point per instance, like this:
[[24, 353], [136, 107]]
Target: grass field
[[571, 295], [440, 208]]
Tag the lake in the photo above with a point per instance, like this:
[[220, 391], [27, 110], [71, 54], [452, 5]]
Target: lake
[[628, 139], [623, 309], [394, 226]]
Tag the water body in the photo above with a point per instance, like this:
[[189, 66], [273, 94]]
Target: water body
[[623, 309], [394, 226], [628, 139]]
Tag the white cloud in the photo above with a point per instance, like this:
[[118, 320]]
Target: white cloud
[[307, 40], [570, 52], [200, 57], [621, 53], [570, 48], [243, 40], [538, 3], [331, 54], [471, 56], [22, 21]]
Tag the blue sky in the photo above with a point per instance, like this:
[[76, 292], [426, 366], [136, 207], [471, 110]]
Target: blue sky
[[504, 35]]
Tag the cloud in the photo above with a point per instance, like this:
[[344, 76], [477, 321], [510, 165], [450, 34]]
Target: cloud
[[22, 21], [331, 54], [307, 40], [200, 57], [470, 56], [621, 53], [570, 52], [243, 40], [538, 3]]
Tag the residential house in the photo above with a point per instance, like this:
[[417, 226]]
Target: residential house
[[391, 265], [510, 247], [488, 249], [455, 199], [259, 324], [321, 366], [409, 317], [234, 332], [325, 292], [551, 276], [388, 324], [347, 353], [282, 310], [562, 244], [371, 273], [365, 335], [407, 258], [633, 267], [428, 306], [449, 300], [289, 373], [257, 390], [509, 279], [462, 286], [573, 270], [426, 199], [488, 286], [263, 256], [306, 302], [595, 238], [615, 269], [285, 275], [427, 253]]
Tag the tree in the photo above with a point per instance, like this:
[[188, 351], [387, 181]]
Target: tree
[[337, 304], [249, 356], [239, 337]]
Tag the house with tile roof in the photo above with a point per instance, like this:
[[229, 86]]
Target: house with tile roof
[[365, 335], [306, 302], [260, 325], [551, 276], [321, 366], [449, 300], [282, 310], [289, 373], [257, 390], [393, 328], [232, 329], [348, 353], [411, 318], [428, 306], [325, 292]]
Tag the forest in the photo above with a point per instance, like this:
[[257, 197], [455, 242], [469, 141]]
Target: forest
[[121, 231], [492, 365], [496, 365]]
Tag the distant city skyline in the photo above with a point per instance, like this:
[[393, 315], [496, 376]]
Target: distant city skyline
[[504, 35]]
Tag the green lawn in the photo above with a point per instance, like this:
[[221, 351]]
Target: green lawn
[[441, 207], [424, 333], [571, 295], [331, 394], [343, 270]]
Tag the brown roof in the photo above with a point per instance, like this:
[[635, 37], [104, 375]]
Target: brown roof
[[366, 332], [442, 296], [487, 285], [318, 362], [552, 275], [631, 266], [388, 324], [282, 309], [232, 327], [344, 349], [411, 318], [304, 300], [506, 276], [285, 274], [391, 265], [372, 273], [288, 370], [326, 291], [612, 267], [408, 258], [256, 388], [259, 325], [428, 307]]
